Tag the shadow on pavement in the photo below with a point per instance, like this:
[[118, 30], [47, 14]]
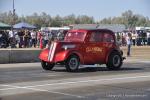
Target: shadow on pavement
[[96, 69]]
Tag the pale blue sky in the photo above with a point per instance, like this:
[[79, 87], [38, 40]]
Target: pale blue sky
[[97, 8]]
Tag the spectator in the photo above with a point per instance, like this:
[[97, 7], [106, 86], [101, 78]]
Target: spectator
[[21, 34], [129, 40], [3, 39], [50, 38], [60, 36], [26, 39], [33, 39], [148, 38], [144, 39], [134, 36], [17, 38], [12, 40], [45, 38], [39, 35], [124, 39]]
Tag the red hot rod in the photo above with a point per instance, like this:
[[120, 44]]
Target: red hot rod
[[83, 47]]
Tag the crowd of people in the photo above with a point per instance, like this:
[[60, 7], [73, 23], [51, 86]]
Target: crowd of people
[[138, 38], [33, 38], [28, 38]]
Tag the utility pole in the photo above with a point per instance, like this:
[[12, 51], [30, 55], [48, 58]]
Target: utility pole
[[13, 13], [12, 43]]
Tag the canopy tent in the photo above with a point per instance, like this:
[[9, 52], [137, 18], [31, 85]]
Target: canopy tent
[[4, 26], [23, 25]]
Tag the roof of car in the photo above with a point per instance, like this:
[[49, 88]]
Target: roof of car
[[103, 29], [92, 29]]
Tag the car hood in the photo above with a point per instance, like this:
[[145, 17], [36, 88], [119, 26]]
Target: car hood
[[67, 44]]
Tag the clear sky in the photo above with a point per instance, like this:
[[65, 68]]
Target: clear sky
[[97, 8]]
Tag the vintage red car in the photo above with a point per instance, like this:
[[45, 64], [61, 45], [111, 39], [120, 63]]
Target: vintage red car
[[83, 47]]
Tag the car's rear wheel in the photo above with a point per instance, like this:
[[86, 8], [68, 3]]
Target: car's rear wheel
[[47, 66], [114, 61], [72, 63]]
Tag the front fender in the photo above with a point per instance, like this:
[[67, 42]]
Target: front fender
[[63, 55], [44, 55]]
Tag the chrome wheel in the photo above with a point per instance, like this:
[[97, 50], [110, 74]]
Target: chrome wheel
[[116, 60], [72, 63]]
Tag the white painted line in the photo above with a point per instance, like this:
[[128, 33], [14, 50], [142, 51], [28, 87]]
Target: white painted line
[[137, 60], [35, 87], [87, 81], [145, 62], [42, 90], [148, 89], [51, 75], [53, 52], [7, 89]]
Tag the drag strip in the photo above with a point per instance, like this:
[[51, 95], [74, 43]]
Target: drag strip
[[30, 81]]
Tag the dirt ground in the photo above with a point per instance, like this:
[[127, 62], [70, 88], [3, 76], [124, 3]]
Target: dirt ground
[[138, 52]]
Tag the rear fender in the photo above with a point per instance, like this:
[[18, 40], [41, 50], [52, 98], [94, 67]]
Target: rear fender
[[107, 56]]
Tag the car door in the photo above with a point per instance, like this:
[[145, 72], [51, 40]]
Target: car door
[[93, 49], [108, 42]]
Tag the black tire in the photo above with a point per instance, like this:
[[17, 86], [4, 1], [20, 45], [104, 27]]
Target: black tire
[[47, 66], [114, 61], [72, 63]]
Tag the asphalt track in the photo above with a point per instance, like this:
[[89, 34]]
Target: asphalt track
[[27, 81]]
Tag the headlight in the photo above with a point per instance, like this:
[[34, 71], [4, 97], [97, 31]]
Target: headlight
[[68, 47]]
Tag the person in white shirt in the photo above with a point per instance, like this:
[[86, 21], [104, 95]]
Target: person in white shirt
[[129, 42], [12, 40], [148, 38], [33, 38]]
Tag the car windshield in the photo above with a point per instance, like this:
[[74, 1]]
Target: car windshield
[[75, 36]]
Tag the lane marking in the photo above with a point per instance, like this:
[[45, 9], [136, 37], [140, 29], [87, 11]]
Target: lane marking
[[35, 87], [148, 89], [42, 90], [7, 89], [137, 60], [87, 81], [145, 62]]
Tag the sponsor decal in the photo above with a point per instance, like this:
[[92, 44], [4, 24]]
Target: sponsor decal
[[94, 49]]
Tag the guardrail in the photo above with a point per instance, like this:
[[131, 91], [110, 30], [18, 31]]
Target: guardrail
[[28, 55]]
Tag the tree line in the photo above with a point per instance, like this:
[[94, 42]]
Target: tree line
[[128, 18]]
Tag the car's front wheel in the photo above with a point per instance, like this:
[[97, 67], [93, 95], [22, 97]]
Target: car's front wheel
[[47, 66], [72, 63], [114, 61]]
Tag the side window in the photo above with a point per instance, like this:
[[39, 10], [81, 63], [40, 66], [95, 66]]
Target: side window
[[108, 38], [96, 37]]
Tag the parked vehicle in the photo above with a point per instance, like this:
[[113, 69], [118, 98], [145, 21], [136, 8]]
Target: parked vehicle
[[83, 47]]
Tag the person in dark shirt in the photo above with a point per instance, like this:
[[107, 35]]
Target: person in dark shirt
[[26, 39]]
